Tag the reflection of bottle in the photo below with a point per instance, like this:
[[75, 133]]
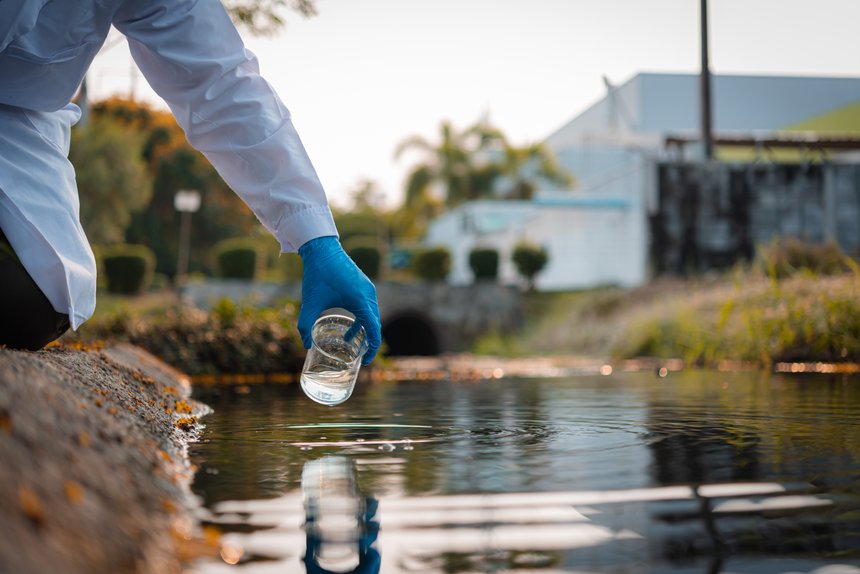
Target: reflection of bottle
[[339, 523]]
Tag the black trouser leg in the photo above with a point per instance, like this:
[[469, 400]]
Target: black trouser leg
[[27, 318]]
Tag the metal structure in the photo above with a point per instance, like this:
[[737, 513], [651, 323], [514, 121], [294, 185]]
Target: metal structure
[[705, 88]]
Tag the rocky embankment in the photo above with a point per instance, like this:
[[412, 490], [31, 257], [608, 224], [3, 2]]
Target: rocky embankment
[[94, 476]]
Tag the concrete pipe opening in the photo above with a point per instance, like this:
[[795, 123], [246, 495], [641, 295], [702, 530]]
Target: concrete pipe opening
[[410, 334]]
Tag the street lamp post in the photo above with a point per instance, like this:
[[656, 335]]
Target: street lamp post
[[186, 202]]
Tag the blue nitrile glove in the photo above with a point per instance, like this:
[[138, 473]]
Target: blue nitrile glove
[[331, 279]]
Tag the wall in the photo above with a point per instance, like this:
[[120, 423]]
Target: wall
[[710, 216]]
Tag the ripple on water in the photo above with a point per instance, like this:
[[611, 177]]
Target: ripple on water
[[388, 437], [373, 434]]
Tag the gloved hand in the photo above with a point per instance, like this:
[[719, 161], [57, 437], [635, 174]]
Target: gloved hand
[[331, 279]]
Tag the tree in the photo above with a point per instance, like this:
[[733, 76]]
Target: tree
[[530, 260], [522, 168], [452, 164], [174, 165], [265, 17], [476, 163], [113, 180], [484, 262], [222, 214], [367, 197]]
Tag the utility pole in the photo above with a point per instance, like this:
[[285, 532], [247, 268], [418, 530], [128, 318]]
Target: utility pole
[[705, 89], [186, 202]]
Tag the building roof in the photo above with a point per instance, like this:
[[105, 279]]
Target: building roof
[[661, 103]]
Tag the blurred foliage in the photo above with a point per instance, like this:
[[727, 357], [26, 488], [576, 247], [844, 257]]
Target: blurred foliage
[[432, 264], [478, 162], [266, 17], [584, 323], [370, 233], [230, 339], [786, 256], [236, 258], [484, 262], [522, 169], [284, 267], [362, 226], [128, 269], [112, 175], [367, 258], [175, 165], [764, 319], [530, 260], [277, 266]]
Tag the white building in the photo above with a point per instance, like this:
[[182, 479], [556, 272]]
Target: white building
[[597, 234], [591, 239]]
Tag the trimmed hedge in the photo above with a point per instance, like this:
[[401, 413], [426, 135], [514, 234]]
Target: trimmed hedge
[[484, 262], [128, 268], [236, 258], [367, 258], [530, 260], [432, 264]]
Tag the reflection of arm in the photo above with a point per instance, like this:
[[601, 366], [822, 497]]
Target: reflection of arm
[[193, 57]]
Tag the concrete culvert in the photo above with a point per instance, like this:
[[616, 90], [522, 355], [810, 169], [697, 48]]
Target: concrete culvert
[[410, 334]]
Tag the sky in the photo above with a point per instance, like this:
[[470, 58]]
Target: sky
[[363, 75]]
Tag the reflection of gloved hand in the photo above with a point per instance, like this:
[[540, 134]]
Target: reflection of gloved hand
[[331, 279]]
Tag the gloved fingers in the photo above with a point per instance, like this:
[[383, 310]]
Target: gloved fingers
[[307, 316], [369, 319], [352, 331]]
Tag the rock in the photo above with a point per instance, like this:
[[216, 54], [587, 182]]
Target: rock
[[94, 475]]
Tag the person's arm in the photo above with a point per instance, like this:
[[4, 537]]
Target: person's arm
[[192, 56]]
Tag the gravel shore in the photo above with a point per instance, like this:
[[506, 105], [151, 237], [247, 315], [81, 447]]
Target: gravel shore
[[94, 476]]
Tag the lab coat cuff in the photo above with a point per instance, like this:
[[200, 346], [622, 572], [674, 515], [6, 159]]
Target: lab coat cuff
[[302, 226]]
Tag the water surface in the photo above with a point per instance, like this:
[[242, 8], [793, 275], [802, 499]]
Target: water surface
[[694, 472]]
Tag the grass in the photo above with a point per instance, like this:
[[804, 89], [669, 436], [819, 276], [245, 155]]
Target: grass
[[553, 324], [757, 319], [744, 315], [148, 303]]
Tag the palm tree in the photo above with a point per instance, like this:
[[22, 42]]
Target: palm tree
[[476, 163], [523, 168], [445, 164]]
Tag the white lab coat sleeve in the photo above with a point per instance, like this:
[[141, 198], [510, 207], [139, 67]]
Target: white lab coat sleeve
[[17, 17], [192, 56]]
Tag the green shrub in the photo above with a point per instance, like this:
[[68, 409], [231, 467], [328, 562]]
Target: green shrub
[[236, 258], [484, 262], [367, 258], [432, 264], [529, 260], [786, 256], [287, 267], [359, 226], [128, 268]]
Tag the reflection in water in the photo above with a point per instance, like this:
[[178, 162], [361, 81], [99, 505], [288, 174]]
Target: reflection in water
[[339, 522], [799, 430], [630, 472]]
